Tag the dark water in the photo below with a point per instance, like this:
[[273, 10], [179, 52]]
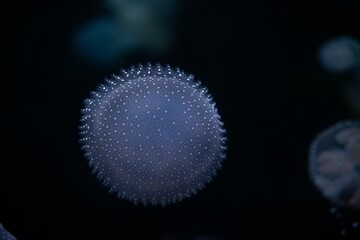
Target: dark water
[[258, 60]]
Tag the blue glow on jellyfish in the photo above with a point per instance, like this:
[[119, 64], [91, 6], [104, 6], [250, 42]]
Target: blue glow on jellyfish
[[153, 135], [5, 235]]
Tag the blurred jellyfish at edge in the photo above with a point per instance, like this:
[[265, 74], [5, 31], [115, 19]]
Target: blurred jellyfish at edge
[[334, 165], [5, 235], [102, 42], [341, 55], [131, 26], [151, 21]]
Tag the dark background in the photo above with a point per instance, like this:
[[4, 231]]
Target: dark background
[[258, 60]]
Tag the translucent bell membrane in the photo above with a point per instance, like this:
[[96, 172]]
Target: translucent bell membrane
[[335, 163], [153, 135]]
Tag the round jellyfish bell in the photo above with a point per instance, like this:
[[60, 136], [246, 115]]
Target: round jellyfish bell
[[153, 135], [335, 163], [339, 54]]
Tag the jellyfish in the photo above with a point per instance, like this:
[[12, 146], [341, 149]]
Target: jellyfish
[[131, 26], [152, 135], [151, 22], [102, 41], [341, 55], [4, 234], [334, 165]]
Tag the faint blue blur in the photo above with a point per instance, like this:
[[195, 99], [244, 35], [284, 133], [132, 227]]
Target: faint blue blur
[[103, 41], [340, 54], [132, 25]]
